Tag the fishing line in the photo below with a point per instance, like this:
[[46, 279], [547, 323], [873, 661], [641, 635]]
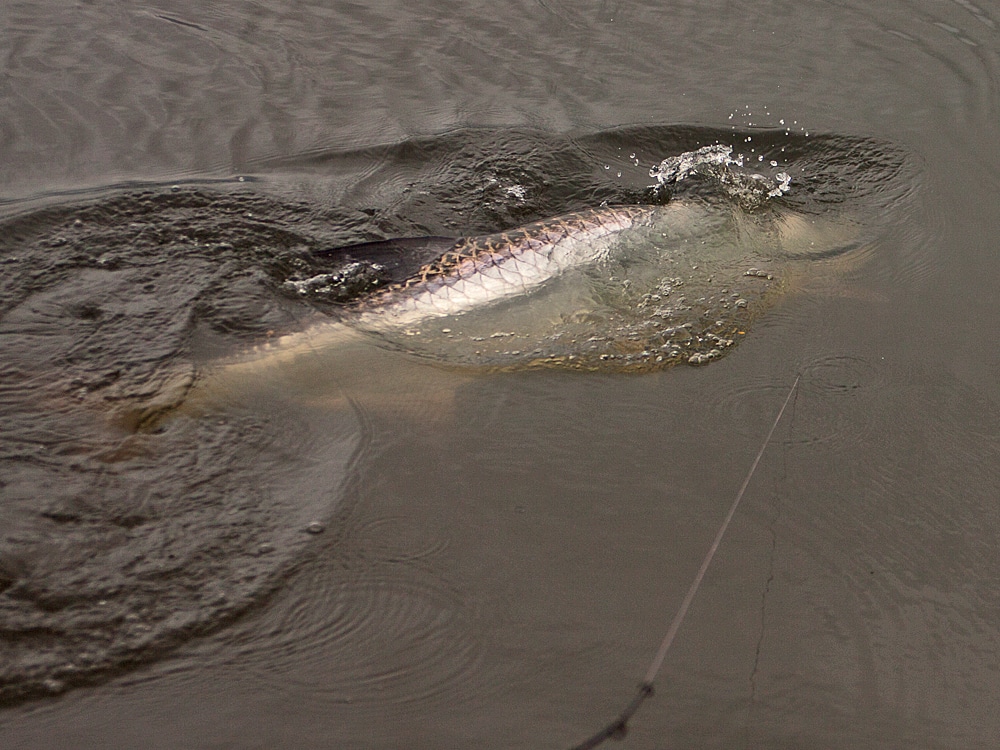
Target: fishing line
[[617, 728]]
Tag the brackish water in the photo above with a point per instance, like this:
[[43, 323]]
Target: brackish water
[[378, 547]]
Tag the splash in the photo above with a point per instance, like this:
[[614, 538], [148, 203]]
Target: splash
[[717, 164]]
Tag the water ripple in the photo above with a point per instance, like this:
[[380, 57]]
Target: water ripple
[[391, 633]]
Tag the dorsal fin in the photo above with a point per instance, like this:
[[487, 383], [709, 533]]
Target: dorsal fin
[[398, 259], [423, 248]]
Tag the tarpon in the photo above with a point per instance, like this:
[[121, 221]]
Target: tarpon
[[615, 287]]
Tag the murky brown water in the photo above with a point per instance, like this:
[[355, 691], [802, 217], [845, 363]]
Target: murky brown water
[[373, 550]]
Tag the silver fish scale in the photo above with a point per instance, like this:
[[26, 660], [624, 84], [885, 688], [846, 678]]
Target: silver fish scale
[[481, 270]]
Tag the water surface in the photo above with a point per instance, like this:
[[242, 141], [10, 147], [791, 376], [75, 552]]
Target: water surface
[[431, 558]]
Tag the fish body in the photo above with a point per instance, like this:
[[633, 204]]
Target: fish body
[[478, 271], [614, 287]]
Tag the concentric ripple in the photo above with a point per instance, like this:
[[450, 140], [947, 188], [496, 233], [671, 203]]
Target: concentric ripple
[[395, 633]]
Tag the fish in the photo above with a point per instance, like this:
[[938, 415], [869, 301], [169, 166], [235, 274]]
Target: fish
[[619, 287], [629, 274]]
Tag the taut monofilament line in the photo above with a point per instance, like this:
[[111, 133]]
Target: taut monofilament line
[[617, 728]]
